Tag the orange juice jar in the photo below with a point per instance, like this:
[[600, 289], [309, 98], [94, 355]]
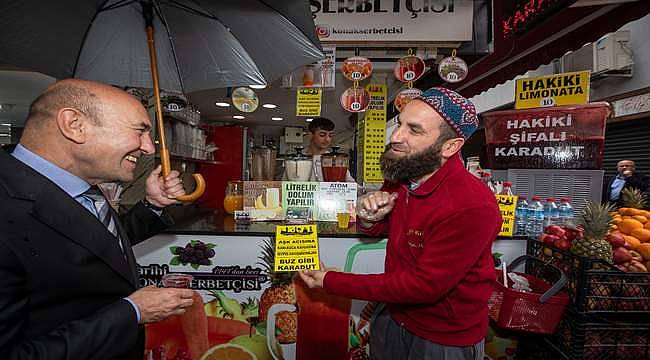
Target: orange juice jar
[[234, 199]]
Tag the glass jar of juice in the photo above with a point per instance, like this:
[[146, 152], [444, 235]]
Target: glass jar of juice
[[334, 165], [234, 199]]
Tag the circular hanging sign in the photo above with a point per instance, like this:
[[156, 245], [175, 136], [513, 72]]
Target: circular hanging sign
[[452, 69], [404, 97], [409, 68], [356, 68], [355, 99], [245, 99]]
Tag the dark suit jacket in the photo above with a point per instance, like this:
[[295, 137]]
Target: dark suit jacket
[[62, 275], [637, 180]]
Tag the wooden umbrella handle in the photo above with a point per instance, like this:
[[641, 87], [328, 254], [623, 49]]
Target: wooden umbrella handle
[[164, 152]]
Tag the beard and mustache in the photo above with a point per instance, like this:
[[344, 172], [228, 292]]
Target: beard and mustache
[[415, 166]]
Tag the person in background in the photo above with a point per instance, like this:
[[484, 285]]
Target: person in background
[[627, 177], [321, 130], [68, 276], [441, 221]]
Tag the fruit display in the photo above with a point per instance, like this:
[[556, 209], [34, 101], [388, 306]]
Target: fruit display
[[629, 233], [595, 220], [560, 236]]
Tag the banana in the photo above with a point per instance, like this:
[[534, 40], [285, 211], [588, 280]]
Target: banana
[[258, 202]]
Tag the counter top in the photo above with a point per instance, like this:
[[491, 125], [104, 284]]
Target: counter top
[[210, 222]]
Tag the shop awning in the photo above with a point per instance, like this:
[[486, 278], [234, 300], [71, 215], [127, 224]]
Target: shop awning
[[568, 29]]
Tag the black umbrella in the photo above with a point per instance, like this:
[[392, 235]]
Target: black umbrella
[[201, 44]]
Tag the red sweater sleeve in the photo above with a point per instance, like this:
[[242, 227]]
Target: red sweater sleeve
[[445, 260]]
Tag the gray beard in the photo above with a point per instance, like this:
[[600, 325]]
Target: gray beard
[[411, 167]]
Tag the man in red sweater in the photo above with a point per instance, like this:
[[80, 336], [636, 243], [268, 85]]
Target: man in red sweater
[[441, 222]]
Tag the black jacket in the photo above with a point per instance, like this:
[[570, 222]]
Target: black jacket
[[62, 274], [637, 180]]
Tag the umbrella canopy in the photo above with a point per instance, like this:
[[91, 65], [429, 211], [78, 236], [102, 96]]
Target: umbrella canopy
[[200, 44]]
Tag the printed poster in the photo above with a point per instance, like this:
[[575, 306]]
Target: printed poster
[[374, 133]]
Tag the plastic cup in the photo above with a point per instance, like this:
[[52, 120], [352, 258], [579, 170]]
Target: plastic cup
[[177, 280], [343, 220]]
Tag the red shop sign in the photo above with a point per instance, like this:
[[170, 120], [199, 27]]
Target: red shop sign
[[563, 137]]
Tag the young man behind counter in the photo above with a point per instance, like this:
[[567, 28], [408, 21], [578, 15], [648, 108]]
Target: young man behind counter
[[320, 130]]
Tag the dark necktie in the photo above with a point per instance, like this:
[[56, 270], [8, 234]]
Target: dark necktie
[[102, 206]]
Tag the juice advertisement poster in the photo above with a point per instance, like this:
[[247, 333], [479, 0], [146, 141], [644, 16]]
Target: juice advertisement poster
[[244, 309], [334, 198]]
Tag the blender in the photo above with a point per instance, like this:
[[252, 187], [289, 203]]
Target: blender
[[334, 165], [263, 167], [299, 166]]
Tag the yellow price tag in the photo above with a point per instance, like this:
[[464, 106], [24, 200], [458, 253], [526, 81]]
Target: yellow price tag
[[308, 102], [296, 248], [507, 206]]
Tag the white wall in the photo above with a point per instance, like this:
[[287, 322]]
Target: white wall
[[640, 46]]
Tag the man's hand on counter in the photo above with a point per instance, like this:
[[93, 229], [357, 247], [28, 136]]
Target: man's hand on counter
[[314, 278]]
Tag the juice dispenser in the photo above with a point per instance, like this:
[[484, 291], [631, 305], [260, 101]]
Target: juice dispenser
[[334, 165], [263, 167]]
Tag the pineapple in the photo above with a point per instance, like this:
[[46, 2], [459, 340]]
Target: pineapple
[[281, 291], [595, 219], [633, 198]]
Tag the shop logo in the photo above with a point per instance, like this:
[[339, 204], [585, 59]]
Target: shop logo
[[323, 31]]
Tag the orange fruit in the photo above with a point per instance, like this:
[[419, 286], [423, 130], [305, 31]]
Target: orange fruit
[[627, 225], [634, 242], [228, 352], [642, 234], [644, 250], [624, 211]]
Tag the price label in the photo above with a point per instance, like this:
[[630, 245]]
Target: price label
[[296, 248], [507, 205]]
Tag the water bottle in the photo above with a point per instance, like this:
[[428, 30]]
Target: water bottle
[[566, 212], [551, 213], [521, 216], [535, 224]]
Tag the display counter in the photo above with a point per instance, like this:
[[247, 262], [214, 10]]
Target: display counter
[[244, 300]]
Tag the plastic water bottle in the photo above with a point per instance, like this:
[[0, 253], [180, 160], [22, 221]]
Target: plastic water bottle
[[551, 213], [566, 212], [521, 216], [535, 224]]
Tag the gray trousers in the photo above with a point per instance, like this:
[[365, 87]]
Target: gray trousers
[[391, 341]]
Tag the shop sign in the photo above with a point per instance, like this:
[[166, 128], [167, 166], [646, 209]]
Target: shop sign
[[631, 105], [409, 68], [563, 137], [560, 89], [355, 99], [404, 97], [507, 205], [393, 20], [374, 136], [308, 102], [296, 248], [245, 99]]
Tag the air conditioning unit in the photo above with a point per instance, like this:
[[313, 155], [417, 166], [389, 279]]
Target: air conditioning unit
[[609, 56]]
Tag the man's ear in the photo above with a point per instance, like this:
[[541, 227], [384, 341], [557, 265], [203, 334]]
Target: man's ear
[[72, 124], [451, 147]]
